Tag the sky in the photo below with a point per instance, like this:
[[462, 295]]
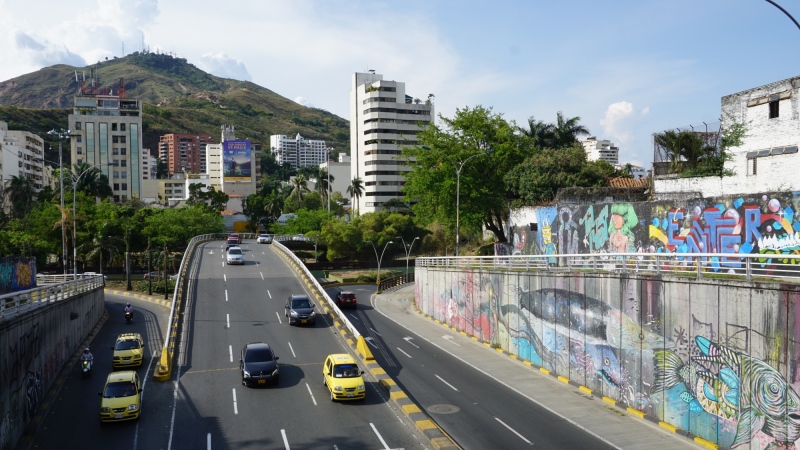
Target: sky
[[628, 69]]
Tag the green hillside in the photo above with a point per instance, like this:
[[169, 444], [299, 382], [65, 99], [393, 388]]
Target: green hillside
[[178, 98]]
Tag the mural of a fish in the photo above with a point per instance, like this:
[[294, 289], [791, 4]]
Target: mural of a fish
[[735, 386]]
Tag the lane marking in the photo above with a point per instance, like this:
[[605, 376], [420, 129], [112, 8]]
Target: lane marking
[[225, 277], [269, 293], [445, 382], [230, 352], [401, 350], [223, 263], [292, 349], [373, 330], [311, 394], [513, 431], [279, 318], [386, 447], [285, 441], [208, 441], [408, 339], [262, 275], [235, 408], [450, 340], [226, 295], [228, 317], [141, 397], [369, 341], [354, 317]]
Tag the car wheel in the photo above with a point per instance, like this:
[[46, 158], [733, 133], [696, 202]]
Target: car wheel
[[324, 383], [332, 398]]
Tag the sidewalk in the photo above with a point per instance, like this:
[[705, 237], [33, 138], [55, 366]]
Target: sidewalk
[[620, 427]]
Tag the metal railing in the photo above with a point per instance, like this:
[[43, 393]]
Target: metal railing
[[762, 267], [52, 290], [400, 280]]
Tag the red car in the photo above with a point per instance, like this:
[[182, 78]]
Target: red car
[[231, 242], [346, 298], [235, 236]]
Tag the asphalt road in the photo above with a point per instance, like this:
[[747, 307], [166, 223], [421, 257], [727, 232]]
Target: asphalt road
[[473, 408]]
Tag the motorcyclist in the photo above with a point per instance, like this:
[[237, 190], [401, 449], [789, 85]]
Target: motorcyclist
[[128, 309], [87, 356]]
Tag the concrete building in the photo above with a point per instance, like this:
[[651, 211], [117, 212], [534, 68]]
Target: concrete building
[[297, 152], [106, 132], [635, 171], [19, 148], [149, 165], [166, 192], [768, 159], [232, 166], [184, 152], [600, 150], [383, 120], [340, 173]]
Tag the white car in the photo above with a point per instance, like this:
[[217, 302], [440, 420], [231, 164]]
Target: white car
[[264, 239], [235, 255]]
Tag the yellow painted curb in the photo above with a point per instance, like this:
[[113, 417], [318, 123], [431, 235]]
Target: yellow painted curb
[[426, 425], [487, 344], [394, 395], [635, 412], [544, 371], [363, 349], [499, 350], [410, 409], [705, 443], [585, 389], [387, 382], [563, 379], [609, 400], [527, 363], [668, 426], [378, 371]]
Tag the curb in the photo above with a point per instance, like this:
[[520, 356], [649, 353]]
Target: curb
[[156, 300], [583, 389], [424, 424], [49, 398]]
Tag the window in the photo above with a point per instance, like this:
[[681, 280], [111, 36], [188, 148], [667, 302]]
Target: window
[[116, 175], [79, 138], [773, 107], [122, 139], [115, 151], [115, 139], [80, 161], [124, 163], [124, 175], [113, 127], [123, 151], [122, 127], [77, 126], [80, 150], [116, 186], [124, 186], [752, 166]]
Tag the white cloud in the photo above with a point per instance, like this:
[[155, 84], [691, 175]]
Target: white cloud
[[41, 52], [303, 101], [615, 122], [224, 66]]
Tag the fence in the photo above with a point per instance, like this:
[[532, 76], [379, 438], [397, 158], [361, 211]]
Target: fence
[[52, 290]]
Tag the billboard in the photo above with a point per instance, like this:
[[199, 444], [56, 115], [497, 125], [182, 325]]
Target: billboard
[[237, 160]]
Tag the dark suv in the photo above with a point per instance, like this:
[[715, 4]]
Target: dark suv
[[299, 309], [346, 298]]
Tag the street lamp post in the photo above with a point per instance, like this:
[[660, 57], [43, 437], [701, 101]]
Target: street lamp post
[[378, 281], [328, 170], [458, 168], [407, 248], [74, 219]]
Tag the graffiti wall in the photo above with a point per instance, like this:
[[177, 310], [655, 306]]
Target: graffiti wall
[[765, 224], [34, 349], [717, 359], [17, 274]]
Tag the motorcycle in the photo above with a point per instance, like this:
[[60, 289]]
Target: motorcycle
[[128, 316], [86, 366]]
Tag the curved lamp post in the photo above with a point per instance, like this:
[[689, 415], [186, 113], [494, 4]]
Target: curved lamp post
[[407, 248], [458, 166], [378, 282]]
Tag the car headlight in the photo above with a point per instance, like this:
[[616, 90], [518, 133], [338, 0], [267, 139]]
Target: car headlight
[[275, 372], [361, 387], [313, 314], [337, 388], [246, 374], [293, 313], [132, 407], [104, 409]]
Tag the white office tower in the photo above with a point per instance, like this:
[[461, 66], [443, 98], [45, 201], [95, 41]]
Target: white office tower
[[383, 120], [297, 151], [21, 154], [600, 150]]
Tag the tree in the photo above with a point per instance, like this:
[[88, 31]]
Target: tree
[[20, 193], [356, 190], [90, 180], [541, 133], [162, 170], [484, 200], [216, 200], [299, 186], [684, 149], [567, 130], [253, 208]]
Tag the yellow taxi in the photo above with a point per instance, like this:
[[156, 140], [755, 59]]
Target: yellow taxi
[[340, 373], [128, 350], [121, 397]]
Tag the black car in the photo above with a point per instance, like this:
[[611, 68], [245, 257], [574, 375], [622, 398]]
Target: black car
[[346, 298], [299, 309], [259, 365]]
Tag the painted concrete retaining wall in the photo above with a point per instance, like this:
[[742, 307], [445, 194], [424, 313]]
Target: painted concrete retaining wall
[[33, 350], [716, 358]]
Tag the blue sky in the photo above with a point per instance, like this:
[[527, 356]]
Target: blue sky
[[628, 69]]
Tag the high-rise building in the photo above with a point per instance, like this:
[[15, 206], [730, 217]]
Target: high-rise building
[[600, 150], [184, 152], [231, 164], [383, 120], [106, 132], [149, 165], [297, 151], [18, 149]]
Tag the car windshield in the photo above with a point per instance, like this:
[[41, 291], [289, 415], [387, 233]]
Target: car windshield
[[263, 235], [235, 251], [302, 303], [120, 389], [345, 371], [128, 344], [258, 355]]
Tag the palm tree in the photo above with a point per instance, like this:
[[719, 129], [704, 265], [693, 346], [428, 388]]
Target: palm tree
[[682, 148], [299, 186], [323, 186], [20, 193], [356, 190], [540, 132], [101, 243], [92, 182], [567, 130], [65, 223]]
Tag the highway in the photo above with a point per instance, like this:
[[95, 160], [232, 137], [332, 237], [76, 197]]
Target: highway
[[474, 409]]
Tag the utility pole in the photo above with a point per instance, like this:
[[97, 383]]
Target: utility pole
[[166, 278], [149, 278]]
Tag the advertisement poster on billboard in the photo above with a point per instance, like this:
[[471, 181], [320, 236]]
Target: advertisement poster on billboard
[[236, 160]]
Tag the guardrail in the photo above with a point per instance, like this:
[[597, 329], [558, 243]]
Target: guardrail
[[764, 266], [17, 303], [400, 280]]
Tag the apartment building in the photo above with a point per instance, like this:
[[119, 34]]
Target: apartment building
[[184, 152], [19, 149], [232, 166], [149, 165], [383, 120], [106, 132], [297, 151], [600, 150]]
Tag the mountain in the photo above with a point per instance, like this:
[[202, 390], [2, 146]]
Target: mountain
[[177, 98]]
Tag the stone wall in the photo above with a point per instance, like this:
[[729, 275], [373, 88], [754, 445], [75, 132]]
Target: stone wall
[[33, 350]]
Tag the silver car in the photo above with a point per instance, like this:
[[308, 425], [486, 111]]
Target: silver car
[[264, 239], [235, 255]]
